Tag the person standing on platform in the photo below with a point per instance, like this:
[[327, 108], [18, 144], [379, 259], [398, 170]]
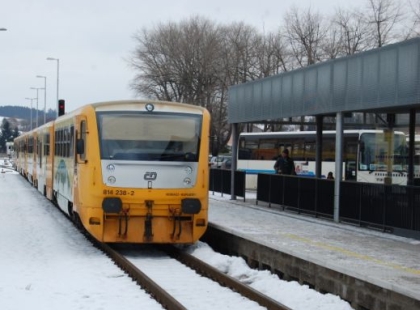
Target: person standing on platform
[[330, 176], [284, 164]]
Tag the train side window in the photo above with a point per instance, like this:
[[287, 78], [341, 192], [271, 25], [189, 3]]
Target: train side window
[[71, 141], [47, 144], [39, 151]]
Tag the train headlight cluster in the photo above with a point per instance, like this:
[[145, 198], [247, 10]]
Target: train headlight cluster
[[191, 206], [187, 181], [188, 170], [111, 179], [112, 205], [149, 107]]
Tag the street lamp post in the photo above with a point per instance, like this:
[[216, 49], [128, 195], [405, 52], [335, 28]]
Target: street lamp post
[[37, 89], [58, 79], [45, 95], [31, 108]]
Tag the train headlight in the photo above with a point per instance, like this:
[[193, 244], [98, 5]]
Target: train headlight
[[112, 205], [187, 181], [110, 167], [150, 107], [111, 179], [188, 170], [190, 206]]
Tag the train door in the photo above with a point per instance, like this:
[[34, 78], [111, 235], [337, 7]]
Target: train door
[[40, 167], [35, 161], [48, 155], [80, 159]]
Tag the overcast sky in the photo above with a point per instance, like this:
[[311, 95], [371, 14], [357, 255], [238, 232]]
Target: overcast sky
[[93, 40]]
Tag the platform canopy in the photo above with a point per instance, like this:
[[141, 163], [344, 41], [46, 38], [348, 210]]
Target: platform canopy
[[383, 80]]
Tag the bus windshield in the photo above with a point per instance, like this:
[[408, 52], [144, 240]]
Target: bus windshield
[[149, 136], [383, 152]]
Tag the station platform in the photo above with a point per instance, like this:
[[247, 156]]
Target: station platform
[[382, 259]]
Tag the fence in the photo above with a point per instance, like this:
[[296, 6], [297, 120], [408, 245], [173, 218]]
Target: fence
[[391, 208], [220, 181]]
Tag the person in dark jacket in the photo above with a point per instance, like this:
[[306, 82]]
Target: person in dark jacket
[[284, 164], [330, 176]]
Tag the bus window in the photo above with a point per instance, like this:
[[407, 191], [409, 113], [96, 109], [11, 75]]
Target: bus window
[[266, 150], [246, 148], [328, 149], [374, 152], [285, 143], [298, 150], [310, 150]]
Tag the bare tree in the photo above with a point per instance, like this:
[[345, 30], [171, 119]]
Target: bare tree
[[305, 32], [414, 29], [332, 46], [176, 61], [353, 31], [182, 62], [153, 61], [239, 51], [272, 55], [383, 17]]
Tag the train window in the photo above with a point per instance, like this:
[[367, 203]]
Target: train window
[[35, 145], [71, 142], [157, 137], [63, 142], [47, 144], [30, 145], [39, 151], [60, 142], [55, 143]]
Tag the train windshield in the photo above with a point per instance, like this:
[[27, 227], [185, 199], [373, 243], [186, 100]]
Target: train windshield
[[149, 137], [383, 152]]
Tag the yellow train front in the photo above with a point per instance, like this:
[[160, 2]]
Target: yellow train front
[[134, 171]]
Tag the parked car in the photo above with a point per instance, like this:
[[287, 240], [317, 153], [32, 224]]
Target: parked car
[[221, 161], [226, 164]]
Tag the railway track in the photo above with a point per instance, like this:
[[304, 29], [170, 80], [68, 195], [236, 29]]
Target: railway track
[[172, 296], [196, 267]]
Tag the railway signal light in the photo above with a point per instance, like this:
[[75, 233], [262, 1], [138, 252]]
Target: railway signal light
[[61, 107]]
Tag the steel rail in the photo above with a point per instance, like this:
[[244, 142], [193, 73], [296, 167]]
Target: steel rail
[[166, 300], [223, 279]]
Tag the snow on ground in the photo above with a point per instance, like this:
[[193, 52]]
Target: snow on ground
[[291, 294], [45, 263]]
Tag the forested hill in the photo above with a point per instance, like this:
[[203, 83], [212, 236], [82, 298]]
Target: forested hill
[[24, 112]]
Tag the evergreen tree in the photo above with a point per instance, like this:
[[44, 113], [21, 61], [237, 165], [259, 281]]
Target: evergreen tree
[[7, 134]]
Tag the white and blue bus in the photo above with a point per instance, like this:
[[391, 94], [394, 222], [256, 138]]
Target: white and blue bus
[[373, 156]]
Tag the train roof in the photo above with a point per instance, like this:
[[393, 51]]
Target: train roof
[[134, 105]]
